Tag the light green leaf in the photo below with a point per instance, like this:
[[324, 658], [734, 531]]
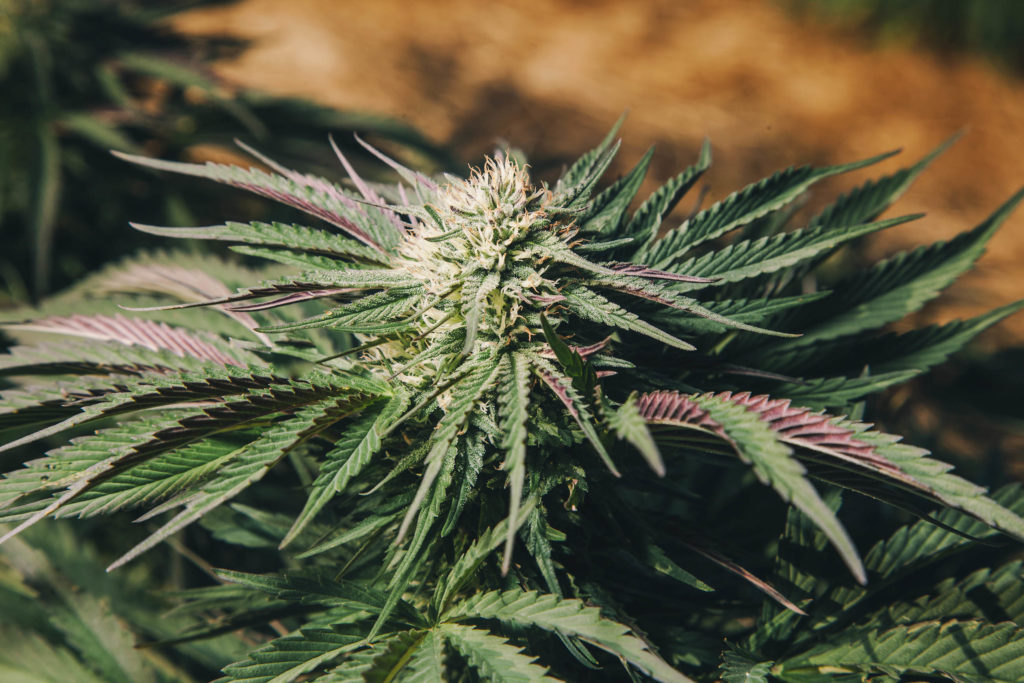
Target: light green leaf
[[289, 236], [739, 666], [427, 664]]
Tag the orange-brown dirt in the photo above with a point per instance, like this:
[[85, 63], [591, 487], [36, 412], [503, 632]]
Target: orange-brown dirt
[[550, 76]]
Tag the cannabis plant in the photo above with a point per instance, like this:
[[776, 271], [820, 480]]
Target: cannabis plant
[[493, 428]]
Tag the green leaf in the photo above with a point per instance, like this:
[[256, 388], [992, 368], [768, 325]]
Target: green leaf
[[350, 455], [102, 640], [929, 346], [749, 311], [827, 392], [588, 304], [31, 658], [569, 617], [470, 452], [469, 561], [153, 481], [646, 220], [513, 404], [390, 658], [289, 236], [361, 529], [95, 464], [286, 659], [740, 666], [427, 664], [980, 595], [475, 298], [606, 212], [320, 586], [629, 424], [64, 465], [751, 258], [934, 477], [893, 288], [913, 544], [290, 257], [492, 656], [918, 349], [413, 558], [739, 209], [252, 462], [310, 282], [963, 650], [45, 203], [465, 396], [575, 185], [869, 200], [131, 394], [575, 405], [657, 560]]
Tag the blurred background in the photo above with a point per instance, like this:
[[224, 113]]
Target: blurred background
[[772, 83]]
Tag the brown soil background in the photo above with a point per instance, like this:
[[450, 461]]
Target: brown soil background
[[769, 90]]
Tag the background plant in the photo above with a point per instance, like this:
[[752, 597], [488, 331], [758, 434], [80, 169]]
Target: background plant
[[505, 430], [991, 29], [83, 77]]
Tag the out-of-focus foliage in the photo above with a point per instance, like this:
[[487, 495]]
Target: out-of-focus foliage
[[82, 77], [994, 28]]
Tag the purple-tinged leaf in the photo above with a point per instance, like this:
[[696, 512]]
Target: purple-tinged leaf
[[289, 299], [147, 333], [737, 569], [794, 425], [330, 199], [758, 444], [367, 191], [331, 190], [546, 299], [343, 281], [414, 177], [583, 351], [667, 297], [845, 443], [187, 284], [655, 274], [562, 387]]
